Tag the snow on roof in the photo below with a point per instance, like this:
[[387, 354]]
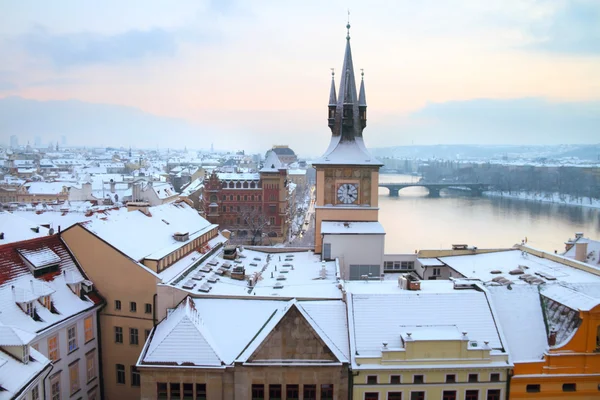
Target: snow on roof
[[15, 273], [347, 153], [182, 338], [193, 186], [593, 251], [206, 338], [430, 262], [352, 228], [16, 228], [481, 266], [163, 190], [284, 275], [521, 320], [52, 188], [429, 332], [183, 264], [40, 257], [272, 163], [376, 318], [54, 219], [142, 236], [12, 336], [570, 297], [390, 285], [236, 176], [296, 172], [16, 375]]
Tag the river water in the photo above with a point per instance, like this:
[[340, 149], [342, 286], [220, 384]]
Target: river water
[[413, 221]]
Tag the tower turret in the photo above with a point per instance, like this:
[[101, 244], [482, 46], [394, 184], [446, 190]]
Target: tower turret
[[332, 102], [362, 102]]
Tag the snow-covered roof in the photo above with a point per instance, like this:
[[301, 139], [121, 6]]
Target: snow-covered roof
[[592, 252], [272, 163], [163, 190], [16, 375], [377, 318], [485, 267], [13, 336], [16, 228], [54, 219], [17, 283], [46, 188], [286, 275], [196, 332], [40, 257], [570, 297], [347, 153], [521, 320], [352, 228], [430, 262], [142, 236], [193, 186], [238, 176], [297, 172]]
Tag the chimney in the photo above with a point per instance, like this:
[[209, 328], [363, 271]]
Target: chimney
[[581, 251], [112, 186], [552, 338], [578, 235]]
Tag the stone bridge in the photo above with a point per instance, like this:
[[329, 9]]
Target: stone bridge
[[475, 189]]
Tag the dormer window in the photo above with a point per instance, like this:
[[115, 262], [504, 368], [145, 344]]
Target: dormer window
[[29, 308], [40, 261], [25, 354]]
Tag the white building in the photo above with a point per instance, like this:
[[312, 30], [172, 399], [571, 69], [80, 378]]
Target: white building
[[46, 298]]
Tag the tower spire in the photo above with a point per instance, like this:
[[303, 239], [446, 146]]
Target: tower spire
[[332, 95], [362, 100]]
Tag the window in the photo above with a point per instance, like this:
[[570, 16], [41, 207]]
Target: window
[[394, 396], [133, 336], [161, 391], [493, 394], [135, 376], [449, 395], [90, 365], [472, 395], [175, 390], [188, 391], [417, 395], [72, 338], [146, 334], [200, 391], [418, 379], [371, 379], [310, 392], [569, 387], [258, 391], [371, 396], [118, 334], [395, 379], [74, 377], [274, 392], [495, 377], [450, 378], [437, 272], [473, 378], [407, 265], [117, 304], [35, 393], [120, 373], [132, 306], [292, 392], [388, 265], [88, 327], [53, 351], [148, 308], [326, 392], [55, 387]]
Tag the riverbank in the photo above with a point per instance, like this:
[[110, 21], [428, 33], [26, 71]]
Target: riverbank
[[547, 198]]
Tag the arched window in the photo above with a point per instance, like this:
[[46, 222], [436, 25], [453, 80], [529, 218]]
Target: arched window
[[245, 185], [231, 185], [238, 184]]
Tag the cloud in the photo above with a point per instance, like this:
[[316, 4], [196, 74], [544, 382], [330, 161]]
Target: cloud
[[84, 48], [5, 86], [494, 121], [573, 29]]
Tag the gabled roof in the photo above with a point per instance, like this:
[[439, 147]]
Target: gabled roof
[[182, 339], [223, 331], [12, 336]]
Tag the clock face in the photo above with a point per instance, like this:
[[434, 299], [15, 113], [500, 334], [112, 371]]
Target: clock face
[[348, 193]]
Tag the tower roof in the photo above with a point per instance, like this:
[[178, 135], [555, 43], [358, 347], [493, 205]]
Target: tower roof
[[362, 98], [332, 95], [347, 146]]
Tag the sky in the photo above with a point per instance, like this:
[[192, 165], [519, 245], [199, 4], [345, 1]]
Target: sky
[[252, 74]]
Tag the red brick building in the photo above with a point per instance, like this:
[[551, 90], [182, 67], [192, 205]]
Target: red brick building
[[253, 206]]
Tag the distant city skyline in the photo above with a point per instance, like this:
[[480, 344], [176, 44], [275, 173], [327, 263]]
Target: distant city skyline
[[247, 75]]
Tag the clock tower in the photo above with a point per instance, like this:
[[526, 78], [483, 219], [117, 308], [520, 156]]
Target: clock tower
[[347, 174]]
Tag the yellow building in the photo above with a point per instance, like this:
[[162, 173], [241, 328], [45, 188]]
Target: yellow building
[[127, 254], [434, 343]]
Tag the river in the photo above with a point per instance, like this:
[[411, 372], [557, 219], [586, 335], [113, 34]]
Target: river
[[413, 221]]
